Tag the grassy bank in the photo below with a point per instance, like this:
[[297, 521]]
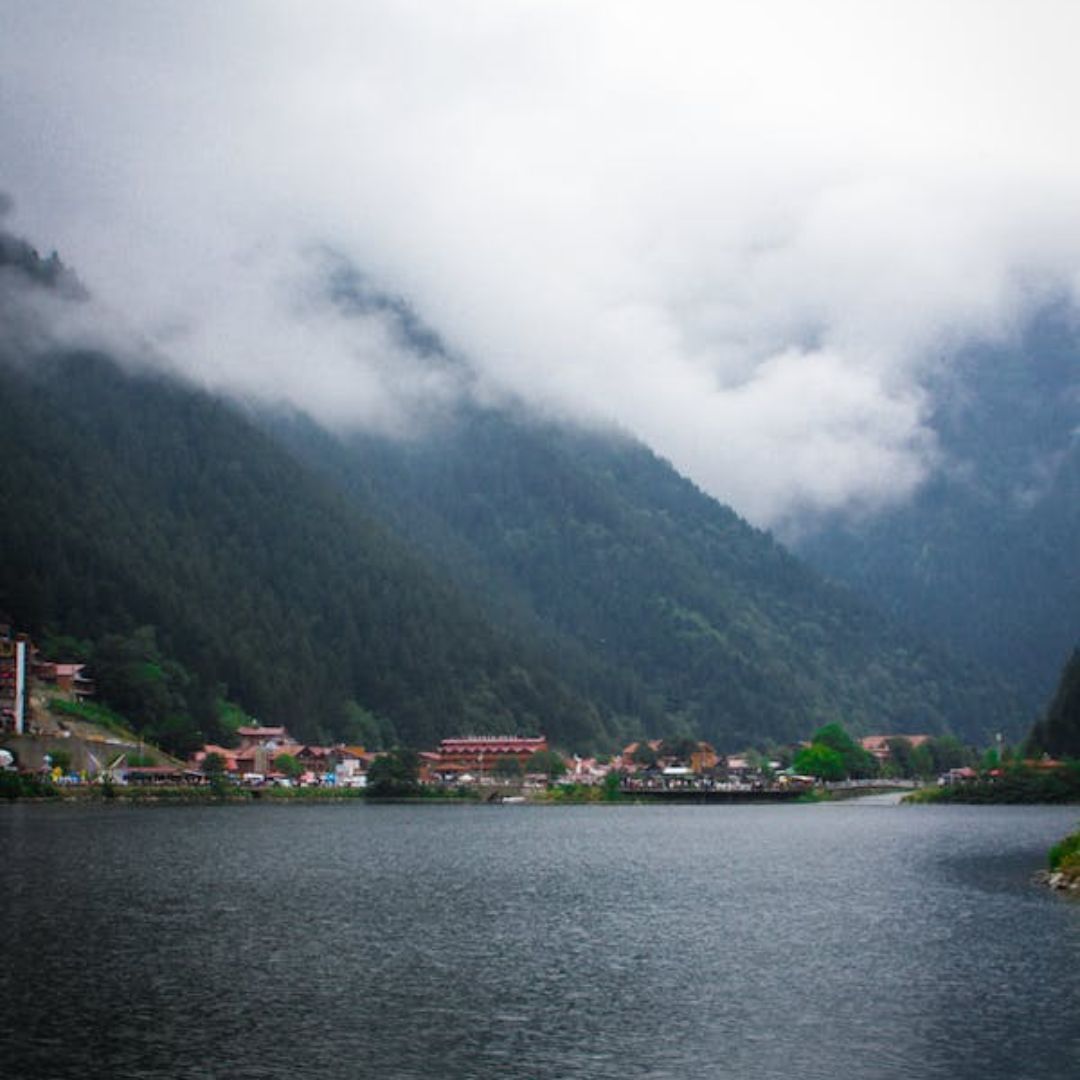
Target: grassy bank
[[1064, 862]]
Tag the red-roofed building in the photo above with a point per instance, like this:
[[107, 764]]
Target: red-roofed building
[[317, 759], [480, 753], [878, 745], [273, 738], [69, 679], [228, 756]]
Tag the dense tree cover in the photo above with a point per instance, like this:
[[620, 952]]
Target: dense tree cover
[[491, 574], [198, 562], [648, 592], [1058, 732], [395, 774], [834, 755], [547, 762], [929, 759], [821, 761], [679, 747], [856, 762], [985, 556], [645, 755]]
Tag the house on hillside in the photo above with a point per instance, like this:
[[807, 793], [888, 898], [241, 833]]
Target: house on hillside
[[70, 680], [270, 738], [878, 745]]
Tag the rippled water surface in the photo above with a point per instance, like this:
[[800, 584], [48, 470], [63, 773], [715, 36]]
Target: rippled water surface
[[267, 941]]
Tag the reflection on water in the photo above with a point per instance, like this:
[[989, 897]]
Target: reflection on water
[[451, 942]]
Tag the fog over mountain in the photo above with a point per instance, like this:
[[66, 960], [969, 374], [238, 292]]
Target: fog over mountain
[[753, 235]]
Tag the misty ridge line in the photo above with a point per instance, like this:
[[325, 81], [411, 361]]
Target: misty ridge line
[[755, 237], [399, 377]]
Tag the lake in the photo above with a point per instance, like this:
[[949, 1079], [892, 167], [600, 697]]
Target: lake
[[439, 941]]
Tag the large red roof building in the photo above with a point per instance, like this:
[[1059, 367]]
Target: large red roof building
[[480, 753]]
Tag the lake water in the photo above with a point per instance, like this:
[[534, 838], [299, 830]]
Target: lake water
[[266, 941]]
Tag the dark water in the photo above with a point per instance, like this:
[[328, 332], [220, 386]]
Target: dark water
[[451, 942]]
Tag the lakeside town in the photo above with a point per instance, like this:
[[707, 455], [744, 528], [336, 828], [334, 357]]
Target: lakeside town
[[49, 730]]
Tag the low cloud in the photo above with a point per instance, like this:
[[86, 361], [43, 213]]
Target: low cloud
[[752, 235]]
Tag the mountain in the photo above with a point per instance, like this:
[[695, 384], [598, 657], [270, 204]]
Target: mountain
[[1058, 732], [623, 566], [134, 501], [495, 572], [987, 556]]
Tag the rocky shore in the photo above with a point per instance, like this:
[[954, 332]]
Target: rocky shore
[[1064, 872], [1059, 880]]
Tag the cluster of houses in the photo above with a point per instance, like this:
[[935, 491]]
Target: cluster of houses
[[269, 755]]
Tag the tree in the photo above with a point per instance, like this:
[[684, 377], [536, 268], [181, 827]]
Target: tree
[[680, 748], [213, 765], [394, 775], [213, 768], [922, 761], [158, 695], [644, 755], [547, 762], [821, 761], [365, 728], [857, 762], [288, 764], [507, 766], [949, 753], [1058, 733], [901, 761]]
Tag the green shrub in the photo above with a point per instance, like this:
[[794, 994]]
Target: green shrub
[[1065, 854], [15, 785]]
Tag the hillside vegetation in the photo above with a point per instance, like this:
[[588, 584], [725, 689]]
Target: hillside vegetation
[[495, 573], [613, 556], [986, 556]]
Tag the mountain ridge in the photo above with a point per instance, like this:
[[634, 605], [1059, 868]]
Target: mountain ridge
[[500, 572]]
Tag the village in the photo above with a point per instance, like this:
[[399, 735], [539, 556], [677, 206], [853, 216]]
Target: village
[[46, 730]]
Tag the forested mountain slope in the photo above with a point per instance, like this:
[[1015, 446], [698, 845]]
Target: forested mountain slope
[[608, 551], [132, 500], [491, 573], [987, 556]]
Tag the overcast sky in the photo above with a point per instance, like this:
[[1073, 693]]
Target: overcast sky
[[748, 232]]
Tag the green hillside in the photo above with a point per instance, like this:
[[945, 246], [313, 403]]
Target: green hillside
[[132, 502], [987, 556], [1058, 732], [494, 574], [606, 550]]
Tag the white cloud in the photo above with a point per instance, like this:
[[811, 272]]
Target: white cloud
[[747, 232]]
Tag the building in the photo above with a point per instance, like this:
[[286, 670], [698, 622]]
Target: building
[[259, 746], [317, 760], [481, 754], [70, 680], [14, 681], [269, 738], [878, 745]]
